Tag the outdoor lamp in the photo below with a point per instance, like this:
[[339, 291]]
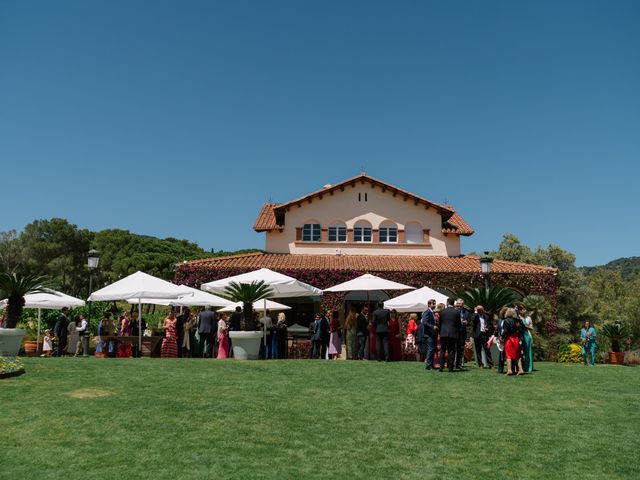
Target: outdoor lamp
[[93, 259], [485, 263]]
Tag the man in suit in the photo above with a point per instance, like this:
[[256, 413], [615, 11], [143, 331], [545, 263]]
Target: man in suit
[[449, 334], [206, 327], [480, 334], [361, 331], [316, 336], [381, 318], [61, 331], [429, 334], [462, 337], [135, 329]]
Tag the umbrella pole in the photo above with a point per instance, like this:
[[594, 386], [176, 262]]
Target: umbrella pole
[[264, 328], [139, 328], [38, 335]]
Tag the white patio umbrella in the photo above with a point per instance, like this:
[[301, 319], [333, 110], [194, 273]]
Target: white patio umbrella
[[368, 283], [197, 298], [137, 286], [282, 286], [258, 306], [48, 301], [415, 301]]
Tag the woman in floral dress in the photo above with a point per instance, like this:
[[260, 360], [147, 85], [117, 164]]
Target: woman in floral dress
[[169, 347]]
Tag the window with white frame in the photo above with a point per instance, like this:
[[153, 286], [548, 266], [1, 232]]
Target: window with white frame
[[362, 232], [337, 232], [388, 233], [311, 232]]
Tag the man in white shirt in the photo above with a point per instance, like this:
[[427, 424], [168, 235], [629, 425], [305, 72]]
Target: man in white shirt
[[480, 334], [82, 331]]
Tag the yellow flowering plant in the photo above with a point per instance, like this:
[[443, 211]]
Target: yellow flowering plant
[[571, 353]]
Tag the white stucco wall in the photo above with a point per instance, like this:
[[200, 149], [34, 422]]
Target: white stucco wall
[[345, 207]]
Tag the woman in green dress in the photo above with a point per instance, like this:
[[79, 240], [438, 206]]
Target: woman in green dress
[[527, 340]]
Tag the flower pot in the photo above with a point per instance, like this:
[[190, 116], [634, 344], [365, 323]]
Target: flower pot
[[10, 340], [246, 345], [30, 348], [616, 358]]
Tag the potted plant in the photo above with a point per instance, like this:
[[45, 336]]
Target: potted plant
[[15, 286], [246, 342], [615, 332]]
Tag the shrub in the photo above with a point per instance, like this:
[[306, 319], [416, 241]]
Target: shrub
[[632, 358], [571, 353], [10, 366]]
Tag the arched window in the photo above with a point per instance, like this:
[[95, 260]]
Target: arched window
[[362, 232], [311, 232], [413, 233], [337, 232], [388, 232]]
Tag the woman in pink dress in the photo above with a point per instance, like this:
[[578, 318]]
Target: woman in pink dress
[[169, 347], [335, 338], [395, 345], [124, 348], [223, 338]]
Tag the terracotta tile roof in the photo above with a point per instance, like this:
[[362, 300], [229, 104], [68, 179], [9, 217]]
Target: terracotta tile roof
[[456, 225], [377, 263], [362, 178], [266, 218]]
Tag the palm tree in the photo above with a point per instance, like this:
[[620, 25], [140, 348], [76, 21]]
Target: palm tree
[[15, 286], [491, 298], [247, 293], [615, 332]]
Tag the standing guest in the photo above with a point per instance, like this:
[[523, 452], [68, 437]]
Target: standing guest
[[362, 331], [588, 337], [335, 336], [480, 335], [82, 330], [395, 344], [47, 344], [429, 333], [206, 321], [124, 348], [103, 332], [266, 323], [137, 325], [380, 321], [410, 348], [436, 312], [282, 337], [223, 337], [500, 338], [187, 334], [326, 334], [512, 342], [180, 321], [527, 339], [449, 334], [60, 330], [316, 336], [169, 348], [351, 333], [462, 337], [72, 336]]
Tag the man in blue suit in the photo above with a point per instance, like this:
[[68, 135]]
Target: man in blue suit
[[429, 332]]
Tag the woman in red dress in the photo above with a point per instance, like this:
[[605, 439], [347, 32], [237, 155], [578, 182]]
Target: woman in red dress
[[410, 348], [395, 345], [124, 348], [512, 343], [223, 338], [169, 347]]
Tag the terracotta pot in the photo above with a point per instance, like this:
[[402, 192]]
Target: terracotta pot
[[616, 358], [30, 348]]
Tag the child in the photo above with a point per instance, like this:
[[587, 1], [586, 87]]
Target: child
[[47, 345]]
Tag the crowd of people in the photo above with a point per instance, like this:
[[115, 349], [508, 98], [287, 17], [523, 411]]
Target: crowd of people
[[440, 337]]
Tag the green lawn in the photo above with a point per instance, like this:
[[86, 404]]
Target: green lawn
[[178, 419]]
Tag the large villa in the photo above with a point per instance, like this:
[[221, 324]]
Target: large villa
[[365, 225]]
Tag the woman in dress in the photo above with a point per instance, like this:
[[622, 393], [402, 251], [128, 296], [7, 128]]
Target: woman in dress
[[351, 330], [72, 336], [335, 336], [395, 344], [124, 348], [223, 337], [588, 337], [103, 332], [169, 347], [527, 339], [282, 336], [410, 348], [512, 342]]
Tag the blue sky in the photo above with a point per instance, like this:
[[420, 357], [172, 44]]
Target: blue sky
[[181, 118]]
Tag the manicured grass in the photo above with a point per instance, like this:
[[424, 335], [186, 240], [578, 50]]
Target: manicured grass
[[181, 419]]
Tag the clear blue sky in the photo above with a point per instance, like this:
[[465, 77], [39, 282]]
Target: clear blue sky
[[181, 118]]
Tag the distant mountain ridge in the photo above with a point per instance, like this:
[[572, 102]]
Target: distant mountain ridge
[[627, 266]]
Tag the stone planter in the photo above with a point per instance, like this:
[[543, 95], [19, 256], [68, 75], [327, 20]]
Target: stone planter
[[616, 358], [246, 345], [10, 340]]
